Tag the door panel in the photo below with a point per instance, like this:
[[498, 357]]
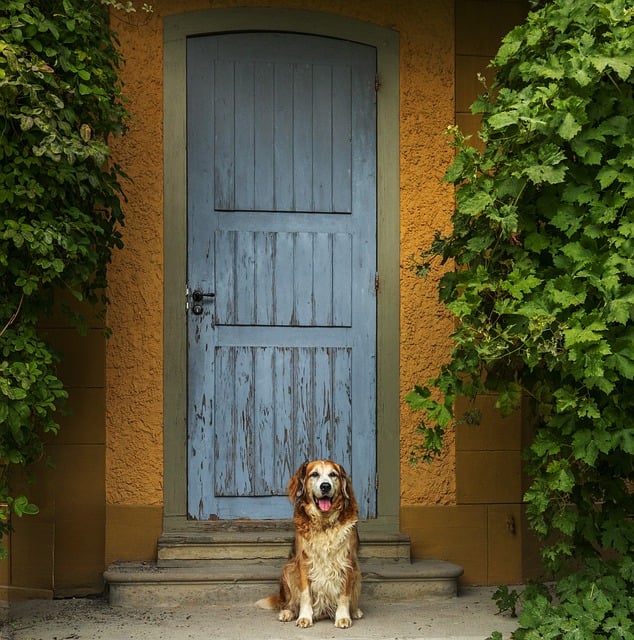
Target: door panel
[[258, 389], [282, 137], [253, 270], [282, 230]]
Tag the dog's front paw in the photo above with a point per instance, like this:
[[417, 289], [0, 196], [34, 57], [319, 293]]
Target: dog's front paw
[[304, 623], [286, 615], [357, 615], [343, 623]]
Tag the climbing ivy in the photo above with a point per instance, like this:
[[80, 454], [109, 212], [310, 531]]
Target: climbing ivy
[[542, 284], [60, 203]]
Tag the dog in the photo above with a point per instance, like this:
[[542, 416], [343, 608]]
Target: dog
[[322, 578]]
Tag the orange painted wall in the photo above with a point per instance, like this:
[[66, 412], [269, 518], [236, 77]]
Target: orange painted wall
[[134, 462]]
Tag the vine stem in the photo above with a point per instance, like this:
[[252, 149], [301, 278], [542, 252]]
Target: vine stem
[[13, 318]]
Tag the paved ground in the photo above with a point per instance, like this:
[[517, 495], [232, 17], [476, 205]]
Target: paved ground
[[472, 616]]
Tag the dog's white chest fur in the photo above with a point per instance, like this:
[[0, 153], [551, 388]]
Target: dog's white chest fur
[[328, 560]]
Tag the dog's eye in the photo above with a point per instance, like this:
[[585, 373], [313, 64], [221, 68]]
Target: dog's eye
[[314, 474], [332, 474]]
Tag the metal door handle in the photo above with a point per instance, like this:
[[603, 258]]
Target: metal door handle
[[198, 296]]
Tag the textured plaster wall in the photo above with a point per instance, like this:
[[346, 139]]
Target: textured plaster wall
[[134, 353], [134, 368]]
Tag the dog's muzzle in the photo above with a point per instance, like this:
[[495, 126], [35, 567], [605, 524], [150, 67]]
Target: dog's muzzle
[[324, 502]]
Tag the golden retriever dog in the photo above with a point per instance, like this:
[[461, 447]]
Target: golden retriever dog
[[322, 578]]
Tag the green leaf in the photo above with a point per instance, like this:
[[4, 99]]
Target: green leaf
[[475, 203], [503, 119], [561, 478], [567, 219], [569, 127], [21, 507], [624, 364], [440, 414], [622, 65], [509, 400], [616, 125], [418, 398], [582, 335], [564, 298], [16, 393], [584, 447], [565, 521], [606, 176], [509, 49], [540, 173], [621, 309], [518, 283], [578, 253], [627, 440]]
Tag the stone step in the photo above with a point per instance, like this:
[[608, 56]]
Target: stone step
[[149, 585], [187, 548]]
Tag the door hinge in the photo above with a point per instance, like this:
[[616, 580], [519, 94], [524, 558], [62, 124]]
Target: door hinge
[[377, 82], [186, 297], [376, 283], [376, 481]]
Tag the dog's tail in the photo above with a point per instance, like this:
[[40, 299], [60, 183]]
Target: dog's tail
[[272, 602]]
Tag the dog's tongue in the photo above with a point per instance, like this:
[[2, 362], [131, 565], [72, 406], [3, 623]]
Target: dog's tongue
[[324, 504]]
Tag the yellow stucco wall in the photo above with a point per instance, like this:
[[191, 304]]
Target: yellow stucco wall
[[134, 368]]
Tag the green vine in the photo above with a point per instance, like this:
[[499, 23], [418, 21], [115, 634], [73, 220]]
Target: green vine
[[60, 102], [543, 284]]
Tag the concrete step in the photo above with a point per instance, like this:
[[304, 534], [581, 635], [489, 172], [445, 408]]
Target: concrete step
[[196, 548], [222, 582]]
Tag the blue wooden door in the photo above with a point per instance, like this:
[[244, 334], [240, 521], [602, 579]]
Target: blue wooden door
[[281, 141]]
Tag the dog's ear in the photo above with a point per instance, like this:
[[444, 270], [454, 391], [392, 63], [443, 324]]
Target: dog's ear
[[349, 501], [295, 487], [346, 484]]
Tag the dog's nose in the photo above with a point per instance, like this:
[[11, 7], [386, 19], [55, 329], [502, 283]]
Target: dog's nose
[[325, 488]]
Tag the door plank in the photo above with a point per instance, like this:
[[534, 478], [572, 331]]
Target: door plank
[[322, 138], [244, 132], [284, 264], [303, 273], [225, 248], [244, 278], [224, 125], [283, 150], [285, 461], [244, 425], [342, 274], [342, 406], [224, 422], [302, 137], [265, 288], [264, 136], [341, 136], [303, 402], [323, 432], [322, 280]]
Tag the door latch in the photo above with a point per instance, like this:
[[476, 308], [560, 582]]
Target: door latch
[[198, 297]]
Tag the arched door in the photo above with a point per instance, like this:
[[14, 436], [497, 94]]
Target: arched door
[[281, 166]]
